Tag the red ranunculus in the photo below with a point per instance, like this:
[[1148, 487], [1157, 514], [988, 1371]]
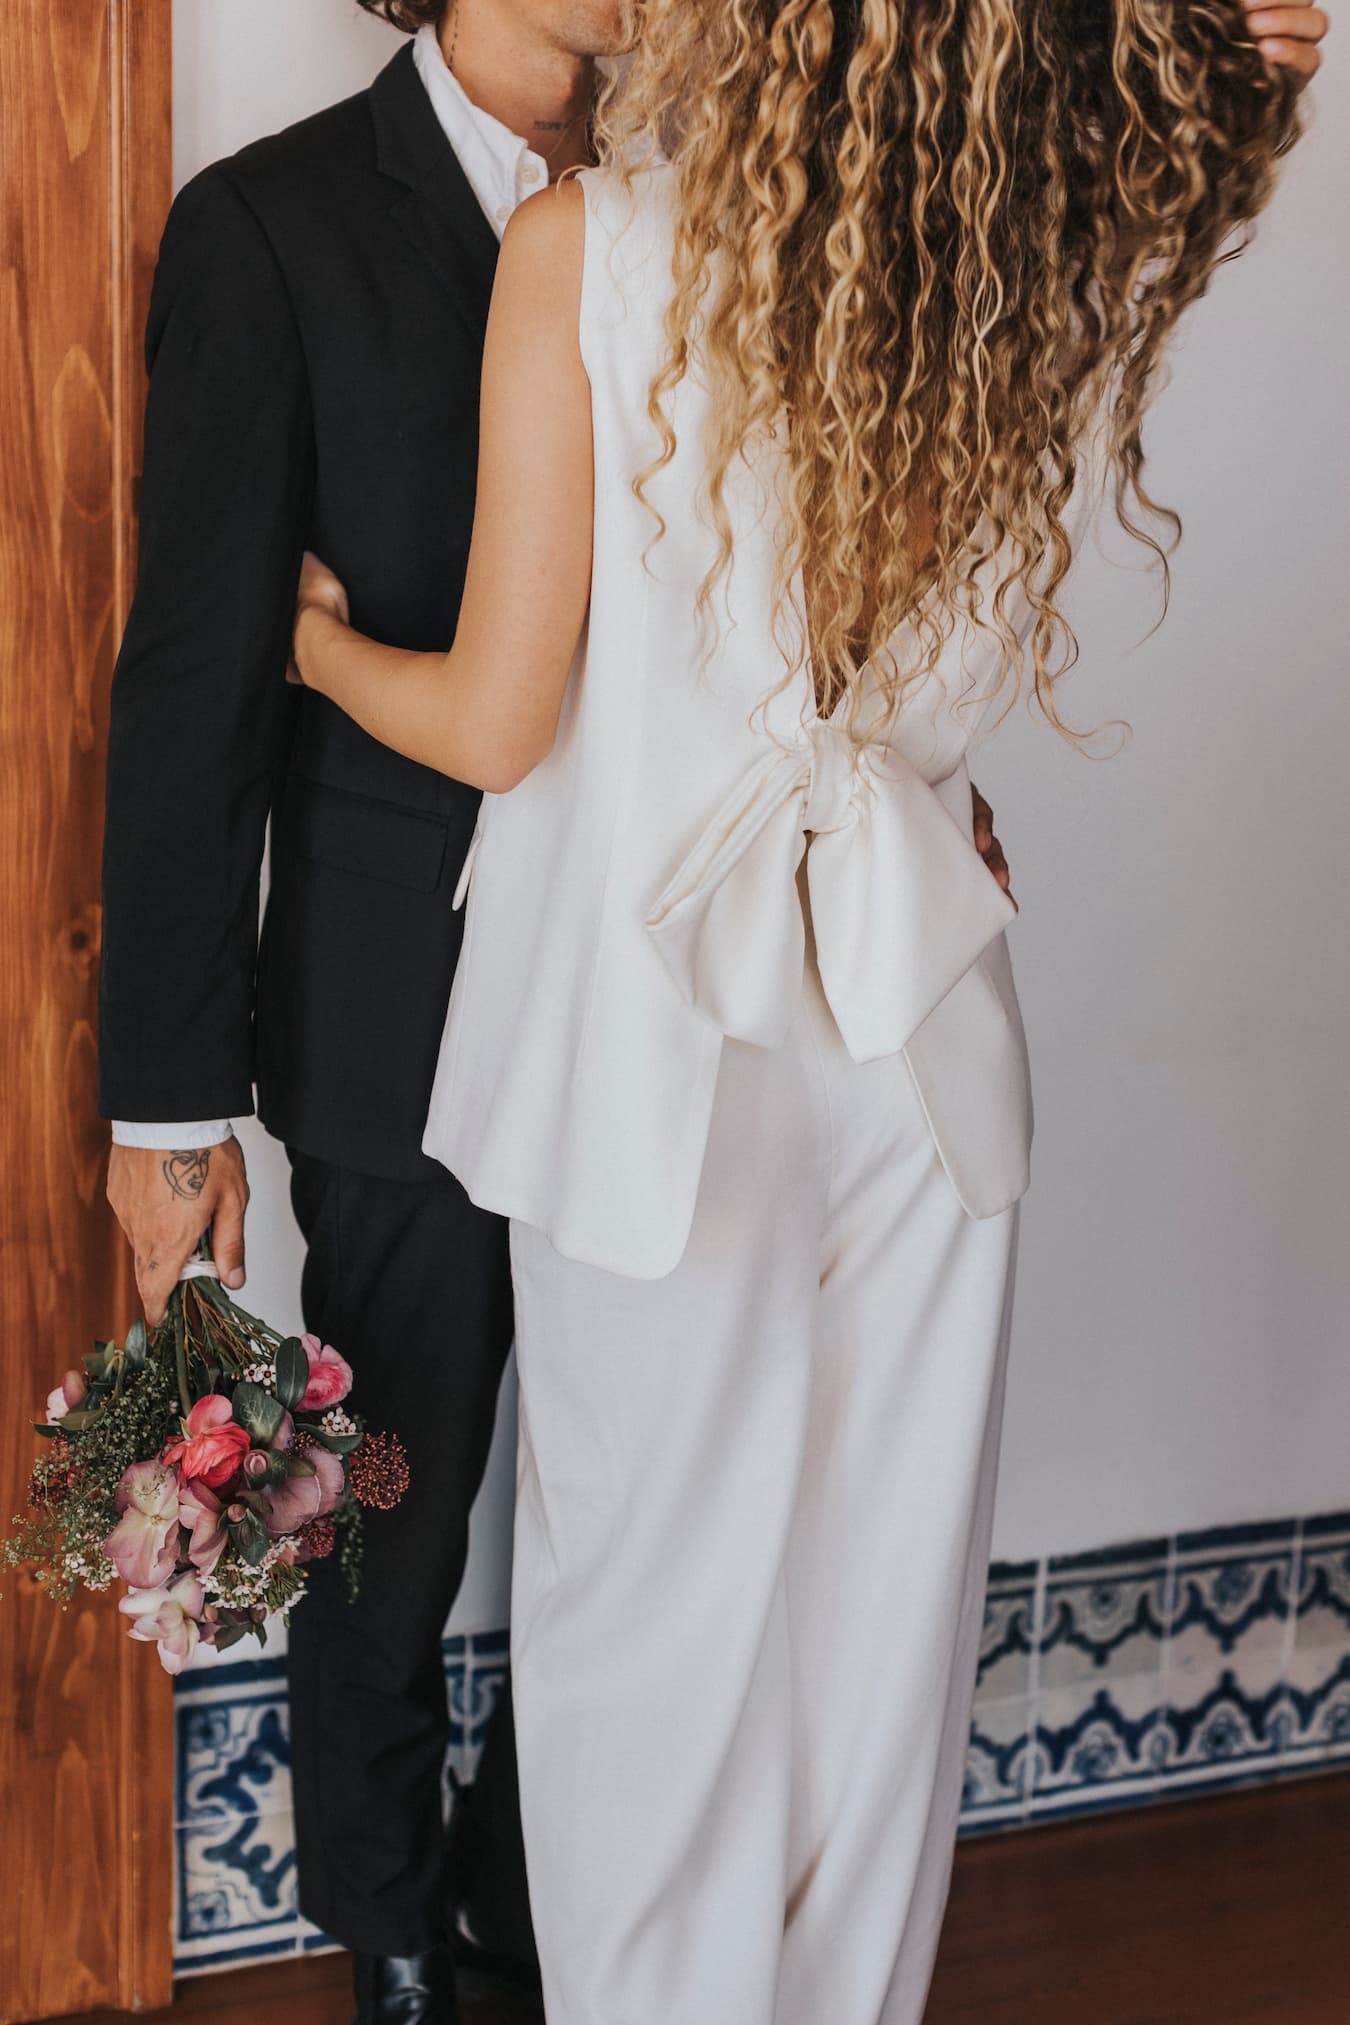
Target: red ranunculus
[[212, 1447]]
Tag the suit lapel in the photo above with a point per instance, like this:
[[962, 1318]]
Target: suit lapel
[[437, 209]]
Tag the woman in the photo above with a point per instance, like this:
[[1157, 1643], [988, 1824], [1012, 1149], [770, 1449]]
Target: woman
[[783, 409]]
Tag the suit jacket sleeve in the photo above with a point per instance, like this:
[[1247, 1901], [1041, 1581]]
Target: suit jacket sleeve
[[201, 715]]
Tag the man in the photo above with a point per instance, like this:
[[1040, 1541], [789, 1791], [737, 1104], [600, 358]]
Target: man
[[315, 342]]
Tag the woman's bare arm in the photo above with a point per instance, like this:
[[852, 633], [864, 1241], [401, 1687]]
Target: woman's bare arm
[[487, 712]]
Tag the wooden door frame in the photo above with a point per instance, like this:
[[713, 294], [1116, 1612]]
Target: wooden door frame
[[141, 72], [75, 1692]]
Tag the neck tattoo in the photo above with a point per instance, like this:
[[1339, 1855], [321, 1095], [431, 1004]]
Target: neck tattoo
[[559, 127]]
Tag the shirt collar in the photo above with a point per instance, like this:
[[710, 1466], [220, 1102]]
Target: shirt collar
[[502, 168]]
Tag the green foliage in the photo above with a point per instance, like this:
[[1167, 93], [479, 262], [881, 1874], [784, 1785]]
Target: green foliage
[[80, 1483], [349, 1525], [249, 1536], [340, 1444], [258, 1412], [292, 1372]]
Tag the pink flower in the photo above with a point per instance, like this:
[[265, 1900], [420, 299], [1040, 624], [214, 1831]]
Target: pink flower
[[167, 1617], [200, 1511], [212, 1446], [143, 1546], [296, 1500], [330, 1376], [70, 1393]]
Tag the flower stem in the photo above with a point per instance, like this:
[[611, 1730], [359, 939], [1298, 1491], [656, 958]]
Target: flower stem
[[180, 1353]]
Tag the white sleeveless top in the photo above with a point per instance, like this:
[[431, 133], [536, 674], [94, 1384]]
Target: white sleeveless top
[[634, 901]]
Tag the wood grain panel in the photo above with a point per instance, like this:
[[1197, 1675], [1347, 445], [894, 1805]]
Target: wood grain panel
[[85, 1722]]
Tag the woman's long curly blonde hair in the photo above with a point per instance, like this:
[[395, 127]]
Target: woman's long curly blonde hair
[[943, 239]]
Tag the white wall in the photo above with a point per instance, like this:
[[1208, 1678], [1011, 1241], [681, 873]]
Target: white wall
[[1184, 1297]]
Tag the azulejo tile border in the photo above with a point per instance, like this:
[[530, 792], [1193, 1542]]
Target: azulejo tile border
[[1106, 1679], [1195, 1662], [235, 1887]]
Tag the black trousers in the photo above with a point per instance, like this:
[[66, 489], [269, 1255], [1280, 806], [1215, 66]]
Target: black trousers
[[413, 1285]]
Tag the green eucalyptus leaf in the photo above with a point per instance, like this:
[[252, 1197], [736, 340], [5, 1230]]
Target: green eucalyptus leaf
[[76, 1422], [228, 1635], [136, 1345], [340, 1444], [292, 1372], [96, 1362], [258, 1411], [250, 1538]]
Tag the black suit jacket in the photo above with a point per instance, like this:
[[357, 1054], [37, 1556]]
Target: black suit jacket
[[315, 346]]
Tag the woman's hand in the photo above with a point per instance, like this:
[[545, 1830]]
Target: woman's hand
[[1288, 35], [320, 591], [988, 845]]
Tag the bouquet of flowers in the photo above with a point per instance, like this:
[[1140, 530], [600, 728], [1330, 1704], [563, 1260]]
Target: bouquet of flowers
[[204, 1464]]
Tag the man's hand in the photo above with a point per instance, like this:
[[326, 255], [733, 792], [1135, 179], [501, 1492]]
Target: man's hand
[[1288, 35], [164, 1201], [988, 845]]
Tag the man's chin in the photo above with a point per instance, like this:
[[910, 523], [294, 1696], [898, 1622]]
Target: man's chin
[[596, 30]]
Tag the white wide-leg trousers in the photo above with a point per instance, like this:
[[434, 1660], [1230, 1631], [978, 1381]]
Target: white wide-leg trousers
[[753, 1519]]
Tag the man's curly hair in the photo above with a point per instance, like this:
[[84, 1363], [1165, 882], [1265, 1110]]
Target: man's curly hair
[[409, 15]]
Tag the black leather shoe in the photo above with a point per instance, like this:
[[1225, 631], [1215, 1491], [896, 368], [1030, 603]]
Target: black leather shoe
[[406, 1989]]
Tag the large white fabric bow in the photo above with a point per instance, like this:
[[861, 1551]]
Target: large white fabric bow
[[901, 902]]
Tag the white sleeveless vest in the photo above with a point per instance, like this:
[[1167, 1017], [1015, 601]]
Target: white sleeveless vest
[[634, 901]]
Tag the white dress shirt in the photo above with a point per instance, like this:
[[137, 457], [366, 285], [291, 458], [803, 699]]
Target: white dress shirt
[[502, 171]]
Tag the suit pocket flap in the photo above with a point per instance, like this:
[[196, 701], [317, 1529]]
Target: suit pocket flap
[[361, 834]]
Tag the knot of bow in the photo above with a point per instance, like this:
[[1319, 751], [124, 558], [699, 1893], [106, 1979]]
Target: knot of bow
[[901, 901]]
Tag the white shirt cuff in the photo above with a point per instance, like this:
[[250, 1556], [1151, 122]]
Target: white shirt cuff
[[172, 1138]]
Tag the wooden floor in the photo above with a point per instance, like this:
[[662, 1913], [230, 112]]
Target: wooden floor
[[1227, 1911]]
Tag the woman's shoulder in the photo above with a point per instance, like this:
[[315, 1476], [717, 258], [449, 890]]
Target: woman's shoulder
[[624, 191], [550, 226]]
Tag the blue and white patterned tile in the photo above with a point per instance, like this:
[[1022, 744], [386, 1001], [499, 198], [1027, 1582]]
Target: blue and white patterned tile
[[313, 1941], [1231, 1605], [1223, 1735], [1096, 1739], [1103, 1617], [1323, 1600], [1317, 1688], [236, 1890], [1008, 1632], [233, 1754], [1230, 1628], [998, 1755], [1315, 1705], [476, 1670]]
